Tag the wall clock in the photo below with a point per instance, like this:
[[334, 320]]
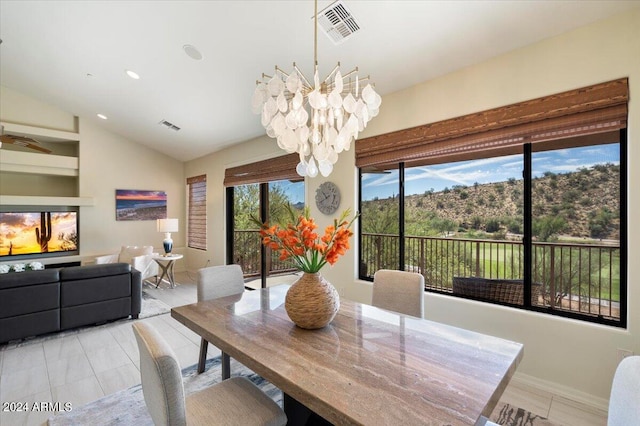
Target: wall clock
[[328, 197]]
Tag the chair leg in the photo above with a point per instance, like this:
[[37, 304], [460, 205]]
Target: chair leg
[[226, 366], [203, 355]]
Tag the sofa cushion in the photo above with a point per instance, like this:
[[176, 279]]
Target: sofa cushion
[[27, 278], [29, 299], [94, 313], [94, 271], [129, 252], [91, 290], [22, 326]]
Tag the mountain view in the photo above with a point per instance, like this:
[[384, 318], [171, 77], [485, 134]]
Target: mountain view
[[580, 205]]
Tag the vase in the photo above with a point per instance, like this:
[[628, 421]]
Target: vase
[[312, 302]]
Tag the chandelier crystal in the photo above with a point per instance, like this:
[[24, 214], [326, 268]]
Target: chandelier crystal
[[316, 119]]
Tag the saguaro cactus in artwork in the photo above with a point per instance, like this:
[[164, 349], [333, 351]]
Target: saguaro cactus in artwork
[[44, 236]]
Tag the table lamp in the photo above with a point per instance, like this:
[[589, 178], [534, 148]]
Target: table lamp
[[167, 226]]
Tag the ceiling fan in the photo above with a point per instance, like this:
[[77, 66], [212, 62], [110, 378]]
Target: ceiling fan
[[21, 141]]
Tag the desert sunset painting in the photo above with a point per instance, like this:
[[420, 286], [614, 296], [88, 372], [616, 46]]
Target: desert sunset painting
[[18, 233]]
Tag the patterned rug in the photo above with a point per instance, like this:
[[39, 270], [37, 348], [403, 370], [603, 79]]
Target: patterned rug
[[127, 407]]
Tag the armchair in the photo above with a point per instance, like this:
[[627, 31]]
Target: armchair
[[139, 257]]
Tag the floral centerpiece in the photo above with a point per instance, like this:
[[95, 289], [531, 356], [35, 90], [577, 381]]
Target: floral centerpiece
[[311, 302]]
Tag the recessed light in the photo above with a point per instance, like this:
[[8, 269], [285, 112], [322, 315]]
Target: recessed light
[[132, 74], [192, 52], [102, 116]]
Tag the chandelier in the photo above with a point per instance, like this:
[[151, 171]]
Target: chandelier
[[316, 119]]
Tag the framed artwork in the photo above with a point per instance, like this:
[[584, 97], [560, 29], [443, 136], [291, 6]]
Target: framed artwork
[[133, 204]]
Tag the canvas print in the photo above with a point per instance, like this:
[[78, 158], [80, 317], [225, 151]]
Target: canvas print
[[140, 205]]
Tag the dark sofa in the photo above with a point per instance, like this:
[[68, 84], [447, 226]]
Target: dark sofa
[[38, 302]]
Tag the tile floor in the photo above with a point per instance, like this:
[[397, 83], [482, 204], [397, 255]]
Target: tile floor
[[79, 368]]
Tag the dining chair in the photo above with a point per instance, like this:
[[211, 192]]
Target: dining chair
[[235, 401], [399, 291], [212, 283], [624, 402]]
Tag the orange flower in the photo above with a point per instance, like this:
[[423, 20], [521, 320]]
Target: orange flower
[[299, 241]]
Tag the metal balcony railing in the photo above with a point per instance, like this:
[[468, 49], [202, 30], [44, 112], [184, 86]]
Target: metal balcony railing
[[581, 278]]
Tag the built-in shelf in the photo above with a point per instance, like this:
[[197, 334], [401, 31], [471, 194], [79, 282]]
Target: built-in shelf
[[39, 133], [36, 163], [27, 200], [14, 164]]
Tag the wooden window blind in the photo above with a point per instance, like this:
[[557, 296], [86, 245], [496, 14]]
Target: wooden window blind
[[278, 168], [601, 108], [197, 214]]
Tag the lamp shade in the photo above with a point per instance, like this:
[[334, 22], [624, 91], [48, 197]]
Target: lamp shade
[[167, 225]]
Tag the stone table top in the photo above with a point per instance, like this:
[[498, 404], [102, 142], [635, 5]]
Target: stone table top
[[369, 366]]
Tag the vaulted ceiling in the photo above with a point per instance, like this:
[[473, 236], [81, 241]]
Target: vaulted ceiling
[[74, 54]]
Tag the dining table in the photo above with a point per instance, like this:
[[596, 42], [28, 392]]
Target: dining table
[[369, 366]]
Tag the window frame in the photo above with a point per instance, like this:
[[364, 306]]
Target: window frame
[[527, 240]]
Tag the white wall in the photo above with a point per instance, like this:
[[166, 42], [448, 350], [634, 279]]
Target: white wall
[[107, 162], [573, 357]]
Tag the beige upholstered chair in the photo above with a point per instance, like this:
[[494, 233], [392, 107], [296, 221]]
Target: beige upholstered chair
[[235, 401], [215, 282], [399, 291], [624, 403], [140, 258]]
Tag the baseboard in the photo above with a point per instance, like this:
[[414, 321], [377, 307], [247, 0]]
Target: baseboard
[[563, 391]]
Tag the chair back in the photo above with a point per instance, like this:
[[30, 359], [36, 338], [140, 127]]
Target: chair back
[[219, 281], [161, 377], [624, 403], [399, 291]]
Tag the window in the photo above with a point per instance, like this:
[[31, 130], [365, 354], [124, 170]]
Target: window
[[528, 214], [260, 190], [197, 212]]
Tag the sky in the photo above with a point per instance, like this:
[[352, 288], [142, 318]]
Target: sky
[[18, 230], [489, 170], [293, 190]]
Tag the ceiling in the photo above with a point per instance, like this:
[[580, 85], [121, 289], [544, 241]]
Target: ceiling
[[73, 54]]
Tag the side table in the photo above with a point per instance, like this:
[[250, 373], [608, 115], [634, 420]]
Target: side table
[[166, 264]]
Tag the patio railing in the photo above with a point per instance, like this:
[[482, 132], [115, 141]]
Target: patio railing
[[582, 278]]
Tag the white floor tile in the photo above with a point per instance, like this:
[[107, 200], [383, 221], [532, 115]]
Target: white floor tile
[[22, 357], [20, 383], [35, 410], [69, 369], [107, 358], [571, 413], [91, 340], [119, 378], [63, 347], [78, 393]]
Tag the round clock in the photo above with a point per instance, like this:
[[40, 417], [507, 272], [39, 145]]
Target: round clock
[[328, 197]]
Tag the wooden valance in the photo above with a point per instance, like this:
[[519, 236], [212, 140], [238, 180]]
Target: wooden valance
[[601, 108], [278, 168]]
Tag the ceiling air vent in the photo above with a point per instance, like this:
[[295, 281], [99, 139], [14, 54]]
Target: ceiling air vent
[[337, 22], [169, 125]]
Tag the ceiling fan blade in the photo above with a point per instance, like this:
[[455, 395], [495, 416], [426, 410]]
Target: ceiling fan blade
[[25, 142], [37, 148]]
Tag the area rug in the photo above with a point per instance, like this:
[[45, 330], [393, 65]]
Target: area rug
[[152, 306], [127, 407], [506, 414]]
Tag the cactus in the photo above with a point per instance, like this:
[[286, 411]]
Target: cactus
[[44, 236]]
